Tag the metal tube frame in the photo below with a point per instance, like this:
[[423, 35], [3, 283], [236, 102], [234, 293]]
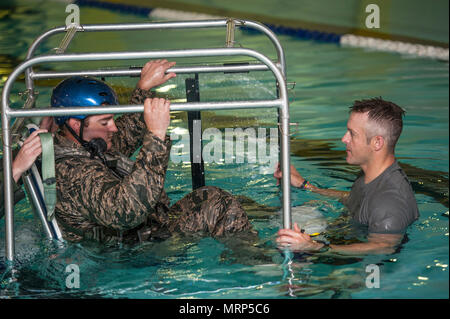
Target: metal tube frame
[[155, 26], [137, 71], [281, 103], [38, 207]]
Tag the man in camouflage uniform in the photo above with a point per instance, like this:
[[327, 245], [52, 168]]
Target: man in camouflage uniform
[[116, 199]]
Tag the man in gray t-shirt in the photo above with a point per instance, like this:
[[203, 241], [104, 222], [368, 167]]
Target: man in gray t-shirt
[[381, 197], [386, 204]]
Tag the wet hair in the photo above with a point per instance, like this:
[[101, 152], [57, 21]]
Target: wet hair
[[386, 117]]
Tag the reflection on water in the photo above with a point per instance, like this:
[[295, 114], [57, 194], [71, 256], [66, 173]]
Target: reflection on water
[[183, 266], [209, 268], [338, 284]]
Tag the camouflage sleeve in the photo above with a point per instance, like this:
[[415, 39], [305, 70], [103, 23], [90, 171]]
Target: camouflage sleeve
[[113, 203], [131, 127]]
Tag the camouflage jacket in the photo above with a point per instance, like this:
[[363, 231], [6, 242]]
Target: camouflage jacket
[[96, 203]]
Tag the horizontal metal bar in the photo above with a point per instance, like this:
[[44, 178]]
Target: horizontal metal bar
[[111, 109], [126, 27], [130, 55], [137, 71], [155, 25], [194, 24], [168, 25], [142, 55]]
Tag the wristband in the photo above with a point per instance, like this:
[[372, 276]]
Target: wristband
[[305, 185], [326, 247]]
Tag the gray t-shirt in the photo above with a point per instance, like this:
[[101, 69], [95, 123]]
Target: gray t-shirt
[[386, 205]]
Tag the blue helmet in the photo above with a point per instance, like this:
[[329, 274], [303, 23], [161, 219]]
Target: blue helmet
[[81, 91]]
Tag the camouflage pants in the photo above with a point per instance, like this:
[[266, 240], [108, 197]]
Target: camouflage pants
[[208, 210], [211, 211]]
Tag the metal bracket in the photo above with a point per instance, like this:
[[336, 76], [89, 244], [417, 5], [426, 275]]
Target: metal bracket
[[290, 124], [70, 33], [30, 96], [229, 42], [291, 90]]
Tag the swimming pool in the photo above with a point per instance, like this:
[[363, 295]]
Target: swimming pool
[[328, 78]]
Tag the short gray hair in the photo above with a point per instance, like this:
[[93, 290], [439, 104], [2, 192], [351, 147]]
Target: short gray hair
[[387, 117]]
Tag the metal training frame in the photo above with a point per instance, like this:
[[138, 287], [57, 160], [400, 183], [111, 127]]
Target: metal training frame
[[278, 70]]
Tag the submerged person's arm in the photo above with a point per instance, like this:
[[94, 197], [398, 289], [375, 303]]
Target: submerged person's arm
[[298, 181], [376, 244], [296, 240], [340, 195]]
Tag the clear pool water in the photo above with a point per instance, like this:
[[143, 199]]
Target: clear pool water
[[328, 78]]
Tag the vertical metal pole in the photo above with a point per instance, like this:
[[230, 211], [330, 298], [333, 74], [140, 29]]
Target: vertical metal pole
[[286, 169], [36, 203], [8, 189], [284, 159], [195, 134]]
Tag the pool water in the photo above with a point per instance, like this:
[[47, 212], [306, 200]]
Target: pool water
[[328, 79]]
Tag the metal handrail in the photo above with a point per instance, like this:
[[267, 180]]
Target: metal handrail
[[137, 71], [281, 60], [281, 103]]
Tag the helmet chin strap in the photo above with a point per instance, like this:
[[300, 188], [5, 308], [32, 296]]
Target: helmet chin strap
[[95, 147], [78, 138]]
